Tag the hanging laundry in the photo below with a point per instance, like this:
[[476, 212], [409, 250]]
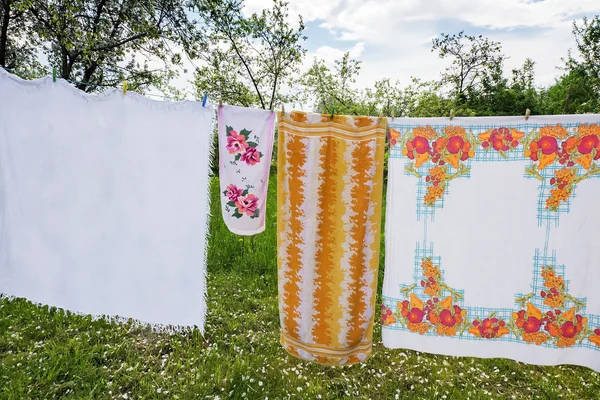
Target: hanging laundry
[[330, 179], [104, 201], [245, 150], [492, 249]]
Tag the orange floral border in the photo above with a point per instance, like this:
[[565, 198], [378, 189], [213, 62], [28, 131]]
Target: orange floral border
[[445, 154], [447, 151], [441, 315]]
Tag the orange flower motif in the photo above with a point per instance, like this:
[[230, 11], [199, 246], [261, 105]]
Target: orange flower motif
[[387, 318], [415, 302], [554, 329], [551, 280], [585, 161], [443, 330], [571, 144], [438, 173], [557, 131], [455, 130], [446, 303], [433, 193], [533, 311], [439, 144], [595, 338], [485, 136], [421, 159], [489, 328], [545, 160], [426, 132], [588, 129], [566, 174], [394, 136], [538, 338], [566, 342], [555, 301], [556, 197], [420, 328], [569, 315], [552, 203], [432, 290], [453, 160], [501, 139], [517, 134]]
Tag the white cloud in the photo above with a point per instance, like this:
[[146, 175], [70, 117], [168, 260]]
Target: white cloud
[[330, 54], [373, 20], [401, 32], [392, 38]]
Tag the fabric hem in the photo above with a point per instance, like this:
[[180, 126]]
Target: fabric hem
[[351, 357], [524, 353], [245, 233]]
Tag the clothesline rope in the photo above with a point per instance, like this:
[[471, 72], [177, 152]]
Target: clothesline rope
[[34, 76]]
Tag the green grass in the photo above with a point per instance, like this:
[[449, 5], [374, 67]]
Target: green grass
[[47, 353]]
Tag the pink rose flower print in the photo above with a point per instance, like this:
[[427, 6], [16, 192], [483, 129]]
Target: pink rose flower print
[[251, 156], [236, 143], [241, 202], [233, 192], [247, 204]]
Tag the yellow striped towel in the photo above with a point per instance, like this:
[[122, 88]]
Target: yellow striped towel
[[330, 178]]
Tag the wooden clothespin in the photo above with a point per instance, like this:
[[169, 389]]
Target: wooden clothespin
[[332, 113], [527, 114], [54, 74], [380, 116], [204, 100], [451, 115], [220, 102], [124, 87], [283, 109]]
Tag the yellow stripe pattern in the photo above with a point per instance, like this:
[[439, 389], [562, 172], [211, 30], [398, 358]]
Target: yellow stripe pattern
[[330, 181]]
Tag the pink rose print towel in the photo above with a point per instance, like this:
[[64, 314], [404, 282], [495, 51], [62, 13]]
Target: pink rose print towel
[[245, 150]]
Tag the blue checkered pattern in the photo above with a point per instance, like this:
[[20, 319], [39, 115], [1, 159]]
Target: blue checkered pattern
[[542, 258]]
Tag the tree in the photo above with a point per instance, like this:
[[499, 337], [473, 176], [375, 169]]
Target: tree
[[101, 41], [476, 62], [524, 77], [332, 91], [570, 94], [583, 72], [247, 60], [587, 37], [16, 50]]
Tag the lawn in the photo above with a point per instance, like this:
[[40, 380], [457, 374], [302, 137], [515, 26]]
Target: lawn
[[47, 353]]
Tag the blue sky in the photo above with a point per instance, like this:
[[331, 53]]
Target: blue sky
[[392, 38]]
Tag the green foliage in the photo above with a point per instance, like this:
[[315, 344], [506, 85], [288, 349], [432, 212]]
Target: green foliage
[[17, 51], [331, 91], [571, 94], [473, 85], [476, 63], [583, 77], [247, 60], [102, 42]]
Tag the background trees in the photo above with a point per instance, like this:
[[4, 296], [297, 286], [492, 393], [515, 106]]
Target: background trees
[[102, 42], [254, 60], [247, 60]]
